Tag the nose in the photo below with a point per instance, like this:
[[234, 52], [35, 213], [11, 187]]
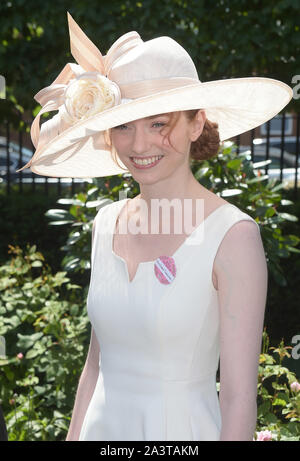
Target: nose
[[140, 141]]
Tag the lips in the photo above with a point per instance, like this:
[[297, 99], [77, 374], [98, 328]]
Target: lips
[[150, 165]]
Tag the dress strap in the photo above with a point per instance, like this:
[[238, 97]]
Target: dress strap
[[229, 216]]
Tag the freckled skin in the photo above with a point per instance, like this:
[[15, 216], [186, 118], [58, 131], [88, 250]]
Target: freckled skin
[[145, 137]]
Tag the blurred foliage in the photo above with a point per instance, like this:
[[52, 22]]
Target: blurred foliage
[[46, 331], [283, 316], [278, 394], [225, 39]]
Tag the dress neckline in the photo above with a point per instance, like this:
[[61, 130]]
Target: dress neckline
[[177, 251]]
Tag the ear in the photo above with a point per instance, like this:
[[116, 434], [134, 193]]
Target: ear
[[197, 125]]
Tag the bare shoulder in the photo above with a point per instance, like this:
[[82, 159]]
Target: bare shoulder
[[240, 250]]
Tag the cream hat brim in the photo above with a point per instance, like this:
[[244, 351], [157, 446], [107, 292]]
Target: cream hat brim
[[237, 105]]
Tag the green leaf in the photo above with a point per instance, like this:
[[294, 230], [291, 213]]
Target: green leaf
[[234, 164], [231, 192], [72, 263], [59, 223], [37, 264], [285, 202], [270, 418], [74, 238], [55, 213], [92, 190], [32, 353], [81, 196], [74, 211], [257, 179], [93, 203], [69, 201], [280, 402], [278, 187], [263, 409], [261, 164], [270, 212], [292, 249], [26, 341], [40, 390], [288, 217]]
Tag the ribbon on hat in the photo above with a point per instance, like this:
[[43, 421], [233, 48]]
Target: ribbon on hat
[[89, 59], [95, 68]]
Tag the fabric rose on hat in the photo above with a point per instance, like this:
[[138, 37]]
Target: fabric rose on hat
[[87, 95]]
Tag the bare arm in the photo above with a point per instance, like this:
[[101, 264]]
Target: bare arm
[[242, 275], [85, 390], [86, 386]]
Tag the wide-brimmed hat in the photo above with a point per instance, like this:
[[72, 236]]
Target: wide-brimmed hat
[[135, 79]]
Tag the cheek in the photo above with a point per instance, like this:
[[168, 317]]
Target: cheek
[[165, 141], [120, 142], [176, 141]]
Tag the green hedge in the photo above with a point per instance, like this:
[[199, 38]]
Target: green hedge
[[23, 221], [45, 325], [46, 329]]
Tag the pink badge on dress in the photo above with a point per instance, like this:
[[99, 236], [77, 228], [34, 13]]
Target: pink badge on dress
[[165, 269]]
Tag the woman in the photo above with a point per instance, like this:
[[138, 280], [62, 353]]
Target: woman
[[240, 277], [165, 307]]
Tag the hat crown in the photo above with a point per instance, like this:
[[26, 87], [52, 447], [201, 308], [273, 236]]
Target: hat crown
[[158, 58]]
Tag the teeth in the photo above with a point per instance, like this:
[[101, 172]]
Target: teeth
[[146, 162]]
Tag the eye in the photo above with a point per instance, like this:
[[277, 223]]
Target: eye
[[120, 127], [158, 124]]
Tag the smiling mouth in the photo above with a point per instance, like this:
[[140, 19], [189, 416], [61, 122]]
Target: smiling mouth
[[145, 161]]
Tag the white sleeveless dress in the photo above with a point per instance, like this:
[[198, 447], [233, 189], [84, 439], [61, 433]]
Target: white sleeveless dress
[[159, 344]]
